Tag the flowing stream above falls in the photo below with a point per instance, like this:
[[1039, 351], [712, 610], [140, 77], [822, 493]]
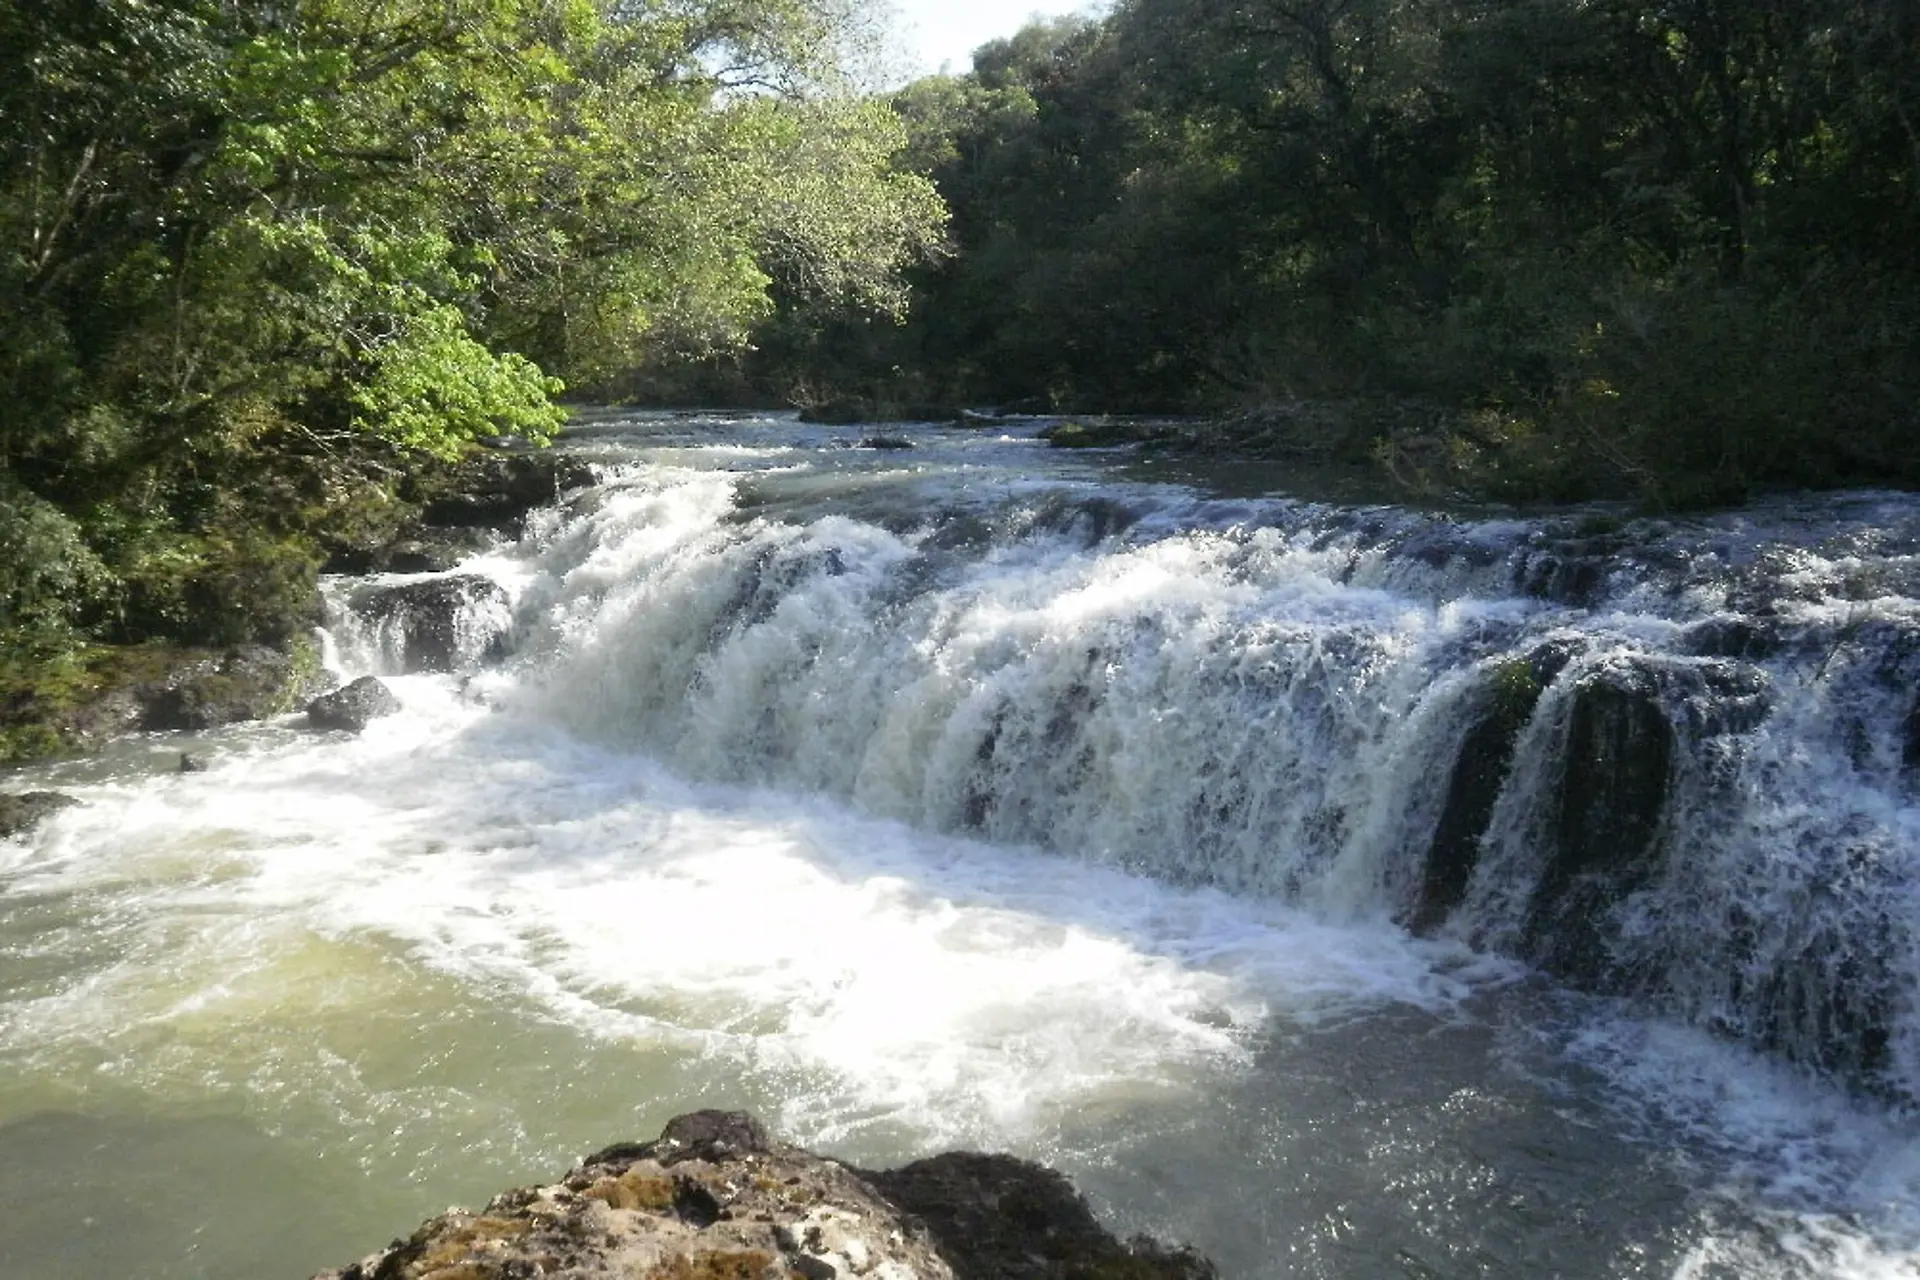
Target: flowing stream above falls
[[1349, 890]]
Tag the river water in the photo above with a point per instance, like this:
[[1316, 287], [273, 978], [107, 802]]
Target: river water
[[981, 794]]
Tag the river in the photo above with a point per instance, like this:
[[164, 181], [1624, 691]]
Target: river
[[977, 793]]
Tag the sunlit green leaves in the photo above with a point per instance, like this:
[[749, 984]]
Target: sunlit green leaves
[[432, 386]]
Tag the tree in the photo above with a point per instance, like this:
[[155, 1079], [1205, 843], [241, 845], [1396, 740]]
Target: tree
[[233, 233]]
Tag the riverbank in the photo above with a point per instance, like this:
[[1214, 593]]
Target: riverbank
[[65, 694]]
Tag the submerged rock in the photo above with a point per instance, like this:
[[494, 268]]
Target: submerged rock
[[353, 707], [24, 810], [717, 1198]]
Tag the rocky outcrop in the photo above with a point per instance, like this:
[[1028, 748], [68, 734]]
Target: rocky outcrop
[[354, 707], [1010, 1219], [417, 550], [441, 624], [24, 810], [1619, 756], [251, 682], [1507, 702], [446, 513], [717, 1198], [108, 690], [497, 490]]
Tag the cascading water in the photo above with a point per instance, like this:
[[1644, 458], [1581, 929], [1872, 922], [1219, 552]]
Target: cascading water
[[1350, 890]]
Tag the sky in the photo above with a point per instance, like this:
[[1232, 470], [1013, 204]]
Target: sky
[[937, 31]]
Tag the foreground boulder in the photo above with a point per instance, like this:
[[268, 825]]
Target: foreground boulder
[[23, 810], [716, 1198], [354, 707]]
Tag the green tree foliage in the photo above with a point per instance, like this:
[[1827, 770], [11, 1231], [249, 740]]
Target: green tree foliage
[[239, 239], [1669, 249]]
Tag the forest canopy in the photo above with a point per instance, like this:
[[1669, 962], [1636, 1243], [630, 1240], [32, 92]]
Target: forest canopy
[[240, 241], [1659, 248]]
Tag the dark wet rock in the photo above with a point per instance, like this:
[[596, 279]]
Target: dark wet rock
[[1093, 519], [1733, 637], [442, 624], [1563, 577], [715, 1135], [1910, 746], [1716, 699], [353, 707], [1103, 433], [21, 811], [1617, 765], [109, 690], [251, 682], [496, 491], [1479, 773], [190, 763], [1441, 545], [885, 442], [431, 555], [422, 550], [849, 410], [1011, 1219], [716, 1198]]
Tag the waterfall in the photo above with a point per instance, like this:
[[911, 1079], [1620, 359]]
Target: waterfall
[[1673, 761]]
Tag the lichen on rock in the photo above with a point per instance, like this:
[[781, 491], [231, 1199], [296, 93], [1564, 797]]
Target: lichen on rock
[[716, 1198]]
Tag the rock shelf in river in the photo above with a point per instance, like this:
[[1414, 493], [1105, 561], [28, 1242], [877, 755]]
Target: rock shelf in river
[[716, 1198]]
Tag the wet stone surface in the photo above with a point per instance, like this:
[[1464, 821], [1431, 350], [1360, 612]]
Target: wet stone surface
[[717, 1198]]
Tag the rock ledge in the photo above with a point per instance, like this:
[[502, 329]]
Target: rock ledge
[[716, 1198]]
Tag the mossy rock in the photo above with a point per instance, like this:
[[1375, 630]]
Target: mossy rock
[[1505, 703], [252, 682], [74, 701], [1103, 433]]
